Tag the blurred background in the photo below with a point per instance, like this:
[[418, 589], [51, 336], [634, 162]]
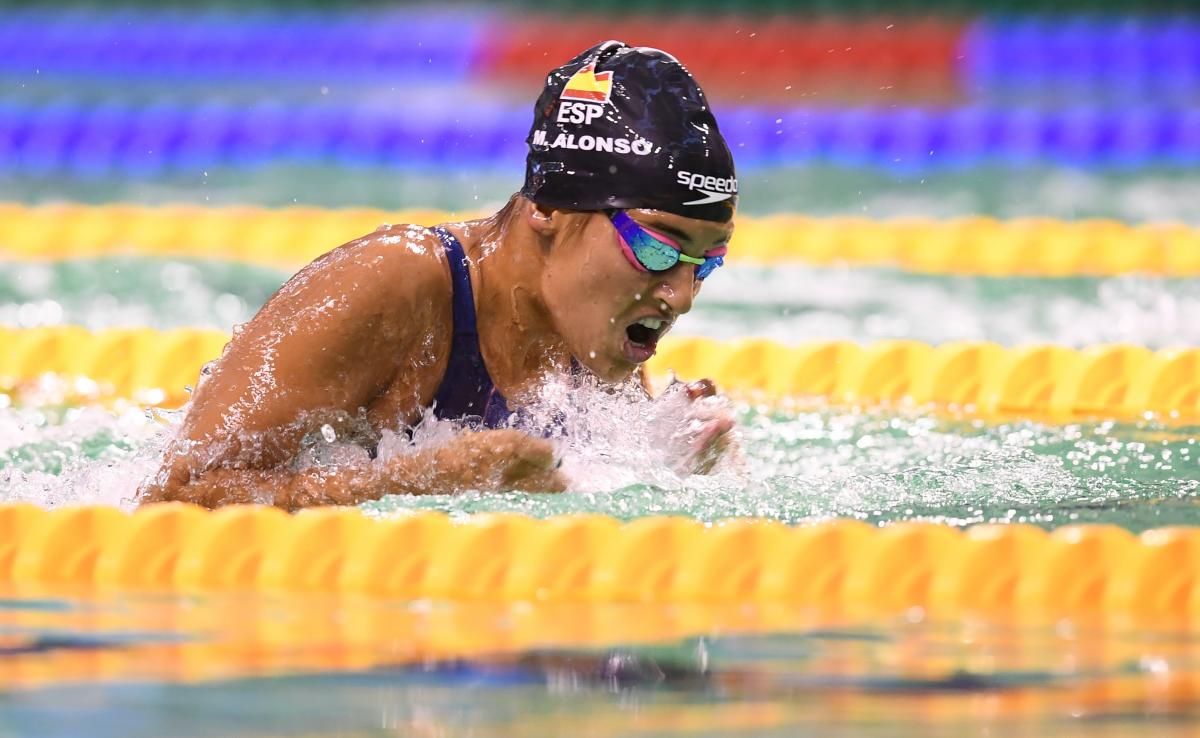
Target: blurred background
[[854, 113], [940, 108], [849, 114]]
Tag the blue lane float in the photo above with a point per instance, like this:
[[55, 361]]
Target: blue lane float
[[114, 139], [1107, 55], [219, 44]]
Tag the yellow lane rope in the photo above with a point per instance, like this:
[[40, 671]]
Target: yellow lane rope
[[974, 377], [843, 566], [289, 237]]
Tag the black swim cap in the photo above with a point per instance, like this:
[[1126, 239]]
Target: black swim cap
[[628, 127]]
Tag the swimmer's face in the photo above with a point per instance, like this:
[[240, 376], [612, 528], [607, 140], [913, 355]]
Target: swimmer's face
[[610, 314]]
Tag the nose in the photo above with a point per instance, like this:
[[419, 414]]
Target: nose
[[676, 287]]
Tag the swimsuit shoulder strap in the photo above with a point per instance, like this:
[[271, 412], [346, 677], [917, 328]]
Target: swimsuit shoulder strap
[[467, 389], [460, 277]]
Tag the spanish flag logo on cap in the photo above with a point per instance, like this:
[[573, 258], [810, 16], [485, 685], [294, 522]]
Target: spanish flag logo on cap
[[587, 86]]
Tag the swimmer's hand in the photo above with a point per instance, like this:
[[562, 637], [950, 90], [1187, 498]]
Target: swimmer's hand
[[488, 461], [702, 433]]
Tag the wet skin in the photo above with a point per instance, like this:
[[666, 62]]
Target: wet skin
[[366, 330]]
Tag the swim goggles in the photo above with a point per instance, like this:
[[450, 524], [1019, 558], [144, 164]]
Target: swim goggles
[[652, 252]]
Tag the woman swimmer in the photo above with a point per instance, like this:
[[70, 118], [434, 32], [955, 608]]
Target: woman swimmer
[[627, 206]]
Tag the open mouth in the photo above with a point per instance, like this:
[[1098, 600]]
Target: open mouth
[[642, 337], [645, 331]]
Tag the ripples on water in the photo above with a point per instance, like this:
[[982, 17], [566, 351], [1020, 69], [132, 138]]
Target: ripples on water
[[890, 466], [797, 465], [306, 665], [790, 304], [877, 466], [799, 303], [134, 291], [1024, 191]]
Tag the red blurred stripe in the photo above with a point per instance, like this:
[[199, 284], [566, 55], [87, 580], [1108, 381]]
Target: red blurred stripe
[[861, 56]]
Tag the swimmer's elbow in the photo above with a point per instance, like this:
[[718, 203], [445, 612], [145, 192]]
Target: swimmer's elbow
[[212, 489], [284, 489]]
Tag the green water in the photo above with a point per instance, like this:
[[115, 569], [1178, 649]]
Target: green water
[[1138, 195], [791, 304], [882, 467], [52, 456], [799, 465], [169, 283], [134, 291]]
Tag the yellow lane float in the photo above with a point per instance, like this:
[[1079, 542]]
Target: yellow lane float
[[290, 237], [841, 566], [972, 377]]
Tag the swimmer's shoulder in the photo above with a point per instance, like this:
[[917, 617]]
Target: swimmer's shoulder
[[402, 259]]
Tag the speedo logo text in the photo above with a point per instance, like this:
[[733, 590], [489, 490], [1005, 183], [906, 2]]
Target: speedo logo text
[[714, 189]]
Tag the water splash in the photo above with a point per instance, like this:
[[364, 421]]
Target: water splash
[[875, 466], [60, 456], [796, 464]]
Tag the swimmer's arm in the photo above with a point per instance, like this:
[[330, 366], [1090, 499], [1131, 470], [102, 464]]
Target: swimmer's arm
[[487, 460], [344, 329]]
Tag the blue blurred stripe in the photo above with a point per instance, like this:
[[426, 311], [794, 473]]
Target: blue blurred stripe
[[85, 140], [1113, 54], [94, 140], [141, 42]]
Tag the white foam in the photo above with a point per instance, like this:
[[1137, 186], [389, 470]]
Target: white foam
[[130, 445], [615, 437]]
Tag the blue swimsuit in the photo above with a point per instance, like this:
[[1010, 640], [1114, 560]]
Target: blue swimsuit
[[467, 393]]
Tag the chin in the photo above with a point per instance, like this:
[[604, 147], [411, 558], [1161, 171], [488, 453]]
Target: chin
[[620, 373], [609, 370]]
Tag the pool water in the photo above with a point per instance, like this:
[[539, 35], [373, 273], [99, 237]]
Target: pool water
[[269, 666], [789, 303], [1166, 193], [799, 463], [148, 665]]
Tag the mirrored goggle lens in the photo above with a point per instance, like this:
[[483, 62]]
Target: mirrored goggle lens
[[654, 254]]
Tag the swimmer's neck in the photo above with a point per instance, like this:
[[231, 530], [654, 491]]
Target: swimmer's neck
[[517, 338]]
